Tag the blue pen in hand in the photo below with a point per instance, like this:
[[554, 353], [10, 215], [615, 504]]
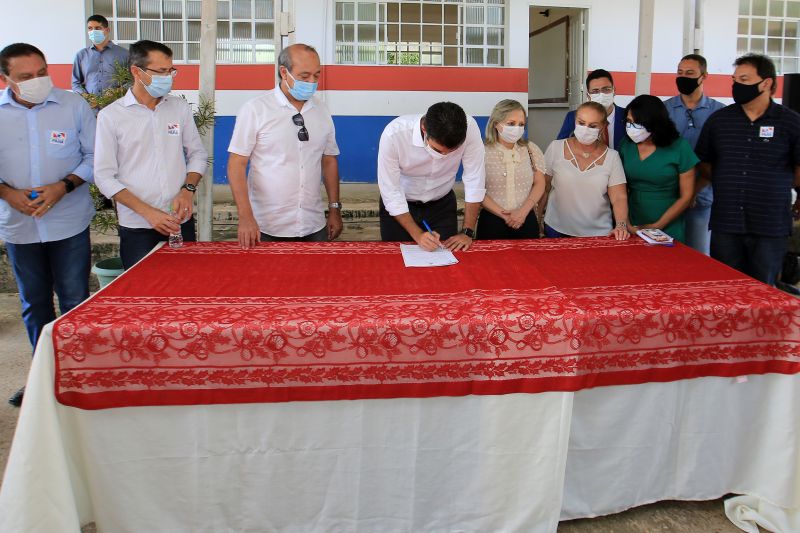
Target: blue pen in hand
[[427, 227]]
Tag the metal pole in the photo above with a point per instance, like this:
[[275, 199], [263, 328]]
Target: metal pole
[[208, 76], [644, 61]]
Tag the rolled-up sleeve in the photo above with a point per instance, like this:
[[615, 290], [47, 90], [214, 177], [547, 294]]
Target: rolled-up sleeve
[[196, 154], [106, 166], [88, 122], [394, 199], [474, 176]]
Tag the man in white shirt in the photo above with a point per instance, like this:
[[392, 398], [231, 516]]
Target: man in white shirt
[[149, 156], [418, 158], [288, 138]]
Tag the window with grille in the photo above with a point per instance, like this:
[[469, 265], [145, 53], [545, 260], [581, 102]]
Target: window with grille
[[245, 28], [770, 27], [421, 32]]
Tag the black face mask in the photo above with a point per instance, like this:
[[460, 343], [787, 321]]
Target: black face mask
[[687, 85], [743, 94]]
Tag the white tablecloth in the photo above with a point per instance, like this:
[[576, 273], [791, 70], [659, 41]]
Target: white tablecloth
[[475, 463]]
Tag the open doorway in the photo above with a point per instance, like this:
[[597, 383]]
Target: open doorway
[[556, 68]]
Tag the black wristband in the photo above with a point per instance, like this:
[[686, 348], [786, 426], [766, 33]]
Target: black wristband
[[69, 184]]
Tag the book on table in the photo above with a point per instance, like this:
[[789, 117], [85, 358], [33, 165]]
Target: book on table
[[655, 236]]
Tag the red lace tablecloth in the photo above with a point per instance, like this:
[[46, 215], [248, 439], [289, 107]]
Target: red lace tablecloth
[[211, 323]]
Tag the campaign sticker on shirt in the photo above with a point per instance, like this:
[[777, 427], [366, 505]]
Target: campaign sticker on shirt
[[173, 129], [58, 137], [767, 132]]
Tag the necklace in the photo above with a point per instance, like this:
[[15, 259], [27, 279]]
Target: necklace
[[586, 154]]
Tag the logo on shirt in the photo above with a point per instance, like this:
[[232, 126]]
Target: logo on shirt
[[767, 132], [58, 137], [173, 129]]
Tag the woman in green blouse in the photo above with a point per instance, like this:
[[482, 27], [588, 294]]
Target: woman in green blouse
[[659, 166]]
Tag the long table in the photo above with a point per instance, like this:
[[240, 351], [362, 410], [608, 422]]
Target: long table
[[317, 387]]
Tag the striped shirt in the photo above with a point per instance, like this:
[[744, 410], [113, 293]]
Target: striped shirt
[[752, 169]]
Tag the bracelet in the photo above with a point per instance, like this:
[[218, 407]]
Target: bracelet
[[623, 225]]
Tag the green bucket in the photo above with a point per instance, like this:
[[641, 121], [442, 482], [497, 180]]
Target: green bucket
[[107, 270]]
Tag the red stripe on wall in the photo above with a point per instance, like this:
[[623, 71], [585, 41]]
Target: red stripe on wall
[[399, 78], [663, 84]]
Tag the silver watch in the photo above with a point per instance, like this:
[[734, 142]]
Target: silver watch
[[334, 205]]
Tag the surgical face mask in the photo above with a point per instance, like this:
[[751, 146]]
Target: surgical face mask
[[302, 90], [687, 85], [35, 90], [433, 153], [743, 93], [159, 85], [585, 134], [97, 36], [605, 100], [510, 134], [637, 132]]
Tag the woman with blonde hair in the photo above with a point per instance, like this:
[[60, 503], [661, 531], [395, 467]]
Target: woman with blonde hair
[[514, 177], [586, 182]]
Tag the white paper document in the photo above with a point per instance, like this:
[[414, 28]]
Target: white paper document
[[414, 256]]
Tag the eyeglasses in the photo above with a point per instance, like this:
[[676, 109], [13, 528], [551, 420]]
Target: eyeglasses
[[302, 133], [690, 117], [608, 89], [634, 125], [171, 72]]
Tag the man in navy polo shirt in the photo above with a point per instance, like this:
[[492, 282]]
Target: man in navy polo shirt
[[750, 151]]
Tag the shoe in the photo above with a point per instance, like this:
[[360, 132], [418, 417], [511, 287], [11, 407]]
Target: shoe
[[16, 399]]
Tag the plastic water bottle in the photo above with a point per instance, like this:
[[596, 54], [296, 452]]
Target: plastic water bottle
[[175, 240]]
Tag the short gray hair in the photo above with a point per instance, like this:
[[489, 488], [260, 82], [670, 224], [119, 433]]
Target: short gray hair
[[285, 57]]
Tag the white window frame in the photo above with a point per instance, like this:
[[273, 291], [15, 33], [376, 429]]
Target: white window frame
[[770, 27]]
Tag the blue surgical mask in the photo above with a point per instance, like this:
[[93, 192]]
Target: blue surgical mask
[[159, 85], [302, 90], [97, 36]]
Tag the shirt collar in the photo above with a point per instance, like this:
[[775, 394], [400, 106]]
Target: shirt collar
[[702, 104], [130, 99], [7, 98], [610, 118], [284, 102], [109, 46], [416, 133]]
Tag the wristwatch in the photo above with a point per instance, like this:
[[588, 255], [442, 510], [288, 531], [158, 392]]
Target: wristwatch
[[468, 232], [335, 205], [189, 187], [69, 184]]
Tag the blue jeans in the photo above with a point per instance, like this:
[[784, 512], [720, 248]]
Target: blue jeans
[[135, 243], [41, 268], [758, 257], [550, 233], [317, 236], [698, 235]]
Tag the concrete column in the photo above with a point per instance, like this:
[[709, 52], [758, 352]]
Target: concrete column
[[644, 60], [208, 77]]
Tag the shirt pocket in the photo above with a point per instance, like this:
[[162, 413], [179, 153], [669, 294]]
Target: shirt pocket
[[62, 144]]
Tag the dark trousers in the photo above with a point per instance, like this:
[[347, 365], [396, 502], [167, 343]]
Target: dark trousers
[[758, 257], [43, 267], [550, 233], [317, 236], [491, 226], [135, 243], [441, 215]]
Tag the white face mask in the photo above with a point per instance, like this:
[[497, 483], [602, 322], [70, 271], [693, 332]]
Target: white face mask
[[585, 134], [35, 90], [605, 100], [433, 153], [637, 135], [510, 134]]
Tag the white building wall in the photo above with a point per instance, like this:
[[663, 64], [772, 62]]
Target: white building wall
[[56, 27]]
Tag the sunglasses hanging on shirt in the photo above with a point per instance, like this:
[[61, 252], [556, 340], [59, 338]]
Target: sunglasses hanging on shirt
[[302, 133]]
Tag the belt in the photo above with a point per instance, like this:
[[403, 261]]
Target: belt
[[419, 203]]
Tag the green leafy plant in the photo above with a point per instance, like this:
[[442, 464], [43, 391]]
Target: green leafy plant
[[105, 219]]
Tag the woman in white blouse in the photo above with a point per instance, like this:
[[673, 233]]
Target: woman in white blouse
[[586, 182], [515, 179]]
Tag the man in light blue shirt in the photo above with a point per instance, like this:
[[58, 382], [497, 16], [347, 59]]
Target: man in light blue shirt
[[93, 68], [689, 111], [46, 155]]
